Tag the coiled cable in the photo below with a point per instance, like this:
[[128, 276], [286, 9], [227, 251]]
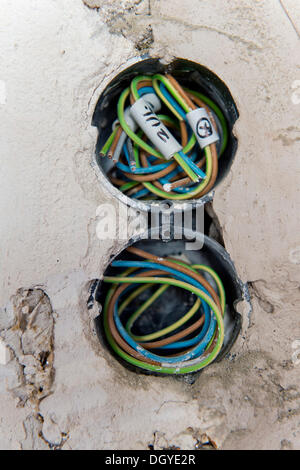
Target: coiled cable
[[188, 344], [139, 169]]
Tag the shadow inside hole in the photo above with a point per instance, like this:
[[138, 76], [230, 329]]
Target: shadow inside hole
[[174, 301], [190, 75]]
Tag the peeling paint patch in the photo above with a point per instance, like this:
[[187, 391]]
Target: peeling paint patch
[[146, 41], [259, 291], [30, 341], [129, 18]]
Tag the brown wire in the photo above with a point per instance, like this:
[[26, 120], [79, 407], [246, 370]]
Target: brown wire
[[115, 142], [134, 190], [180, 90], [171, 339], [116, 181]]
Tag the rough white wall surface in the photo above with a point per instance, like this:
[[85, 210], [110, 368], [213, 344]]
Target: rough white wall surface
[[57, 56]]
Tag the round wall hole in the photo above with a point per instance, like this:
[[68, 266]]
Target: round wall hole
[[153, 318], [135, 175]]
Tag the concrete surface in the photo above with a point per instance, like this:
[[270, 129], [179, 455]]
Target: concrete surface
[[57, 56]]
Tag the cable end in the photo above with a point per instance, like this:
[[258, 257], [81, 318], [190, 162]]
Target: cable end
[[167, 187]]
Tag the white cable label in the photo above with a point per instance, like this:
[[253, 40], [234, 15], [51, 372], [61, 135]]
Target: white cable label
[[154, 103], [202, 127], [154, 129], [129, 121], [153, 100]]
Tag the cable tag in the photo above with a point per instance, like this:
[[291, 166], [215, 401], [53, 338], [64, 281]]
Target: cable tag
[[155, 130], [202, 127], [151, 99]]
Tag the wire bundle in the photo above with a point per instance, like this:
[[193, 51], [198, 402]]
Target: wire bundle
[[188, 344], [139, 170]]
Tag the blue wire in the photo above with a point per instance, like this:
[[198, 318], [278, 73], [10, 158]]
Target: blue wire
[[166, 179], [125, 150], [141, 193], [179, 169], [192, 165], [152, 265], [145, 90], [137, 171]]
